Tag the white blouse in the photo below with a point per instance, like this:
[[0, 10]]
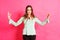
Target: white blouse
[[29, 25]]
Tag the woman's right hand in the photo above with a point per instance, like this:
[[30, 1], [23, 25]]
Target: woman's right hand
[[9, 16]]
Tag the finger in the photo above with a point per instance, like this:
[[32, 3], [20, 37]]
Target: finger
[[48, 15], [9, 14]]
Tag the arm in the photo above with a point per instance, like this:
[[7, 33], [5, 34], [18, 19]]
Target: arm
[[42, 23], [16, 23]]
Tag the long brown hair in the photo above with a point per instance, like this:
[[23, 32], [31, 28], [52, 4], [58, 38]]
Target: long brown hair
[[26, 14]]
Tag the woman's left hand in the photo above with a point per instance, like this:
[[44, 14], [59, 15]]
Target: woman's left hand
[[48, 16]]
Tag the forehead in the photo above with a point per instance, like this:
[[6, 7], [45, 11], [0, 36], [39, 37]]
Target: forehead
[[29, 8]]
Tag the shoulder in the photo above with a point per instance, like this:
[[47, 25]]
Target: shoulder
[[35, 18], [22, 17]]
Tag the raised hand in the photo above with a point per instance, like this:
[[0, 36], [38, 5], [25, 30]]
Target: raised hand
[[48, 16], [9, 16]]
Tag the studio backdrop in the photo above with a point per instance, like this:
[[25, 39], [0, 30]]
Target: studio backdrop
[[41, 8]]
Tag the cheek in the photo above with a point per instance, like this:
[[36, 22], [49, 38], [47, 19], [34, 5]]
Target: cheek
[[28, 11]]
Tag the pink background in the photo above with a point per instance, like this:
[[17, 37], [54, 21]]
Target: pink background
[[50, 31]]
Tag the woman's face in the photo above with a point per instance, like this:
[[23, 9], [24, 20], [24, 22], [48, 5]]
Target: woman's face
[[29, 10]]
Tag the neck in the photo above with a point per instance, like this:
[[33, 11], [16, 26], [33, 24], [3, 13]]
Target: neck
[[29, 17]]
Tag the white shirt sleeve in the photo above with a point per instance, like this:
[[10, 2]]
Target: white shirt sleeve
[[16, 23], [40, 22]]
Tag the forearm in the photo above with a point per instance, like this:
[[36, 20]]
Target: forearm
[[12, 22], [42, 23], [16, 23], [45, 22]]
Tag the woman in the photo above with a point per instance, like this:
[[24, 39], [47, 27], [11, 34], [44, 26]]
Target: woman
[[29, 20]]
